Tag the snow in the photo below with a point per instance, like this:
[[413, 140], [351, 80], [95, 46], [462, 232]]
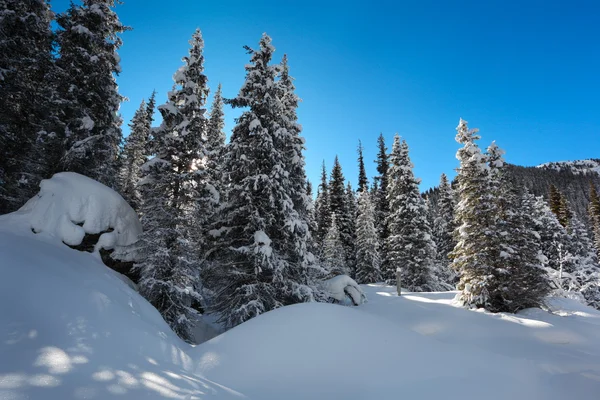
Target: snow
[[590, 166], [70, 205], [71, 329]]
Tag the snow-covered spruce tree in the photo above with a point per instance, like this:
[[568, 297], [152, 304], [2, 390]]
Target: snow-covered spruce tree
[[594, 217], [554, 199], [26, 110], [172, 190], [553, 237], [443, 229], [586, 270], [340, 205], [380, 187], [363, 181], [565, 214], [475, 214], [334, 253], [312, 220], [410, 246], [519, 278], [322, 208], [259, 258], [368, 261], [134, 155], [88, 39], [215, 141]]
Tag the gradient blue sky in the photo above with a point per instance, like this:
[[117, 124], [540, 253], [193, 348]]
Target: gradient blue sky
[[527, 73]]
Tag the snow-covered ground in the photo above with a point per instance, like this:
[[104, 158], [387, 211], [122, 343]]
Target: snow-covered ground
[[71, 329]]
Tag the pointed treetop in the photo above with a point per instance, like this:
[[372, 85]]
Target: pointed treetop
[[363, 181], [464, 134]]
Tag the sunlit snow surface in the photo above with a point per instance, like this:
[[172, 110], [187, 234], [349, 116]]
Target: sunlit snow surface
[[70, 329]]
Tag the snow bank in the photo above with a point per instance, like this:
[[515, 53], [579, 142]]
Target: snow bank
[[71, 329], [70, 205]]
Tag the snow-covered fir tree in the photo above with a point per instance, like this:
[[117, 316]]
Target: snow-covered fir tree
[[134, 154], [410, 246], [342, 207], [519, 278], [368, 260], [215, 142], [26, 108], [322, 208], [380, 187], [334, 252], [363, 181], [594, 217], [88, 40], [173, 185], [443, 228], [477, 244], [553, 236], [259, 258], [585, 274]]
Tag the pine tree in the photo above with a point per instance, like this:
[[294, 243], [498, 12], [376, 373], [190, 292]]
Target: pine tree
[[363, 181], [368, 261], [173, 187], [476, 247], [334, 253], [259, 258], [322, 207], [444, 225], [586, 270], [594, 216], [554, 201], [26, 110], [342, 207], [410, 246], [564, 211], [134, 153], [553, 236], [380, 194], [88, 40], [312, 220]]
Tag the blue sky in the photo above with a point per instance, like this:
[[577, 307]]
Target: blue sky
[[527, 73]]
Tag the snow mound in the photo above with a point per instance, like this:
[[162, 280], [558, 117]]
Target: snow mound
[[70, 205], [342, 286]]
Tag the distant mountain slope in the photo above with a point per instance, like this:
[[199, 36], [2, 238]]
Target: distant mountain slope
[[572, 178]]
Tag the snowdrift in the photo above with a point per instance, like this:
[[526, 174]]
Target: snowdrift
[[71, 329]]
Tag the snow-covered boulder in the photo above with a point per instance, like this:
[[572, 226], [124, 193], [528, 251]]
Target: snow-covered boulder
[[70, 205], [342, 287]]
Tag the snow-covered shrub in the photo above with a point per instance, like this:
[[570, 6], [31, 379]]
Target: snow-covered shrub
[[72, 207], [343, 287]]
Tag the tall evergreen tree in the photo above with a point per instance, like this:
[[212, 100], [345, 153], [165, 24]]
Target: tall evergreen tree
[[586, 270], [594, 216], [342, 207], [564, 211], [363, 181], [26, 109], [444, 223], [215, 146], [476, 236], [88, 40], [134, 153], [259, 258], [368, 261], [322, 207], [410, 246], [554, 200], [172, 189], [381, 183]]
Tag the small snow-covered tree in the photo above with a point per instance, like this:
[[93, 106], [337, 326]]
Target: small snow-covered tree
[[215, 144], [585, 268], [334, 253], [134, 153], [259, 257], [594, 217], [88, 40], [410, 246], [368, 261]]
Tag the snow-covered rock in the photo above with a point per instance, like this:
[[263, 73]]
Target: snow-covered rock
[[342, 286], [70, 205]]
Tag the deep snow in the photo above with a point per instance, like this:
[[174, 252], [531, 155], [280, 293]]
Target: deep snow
[[71, 329]]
